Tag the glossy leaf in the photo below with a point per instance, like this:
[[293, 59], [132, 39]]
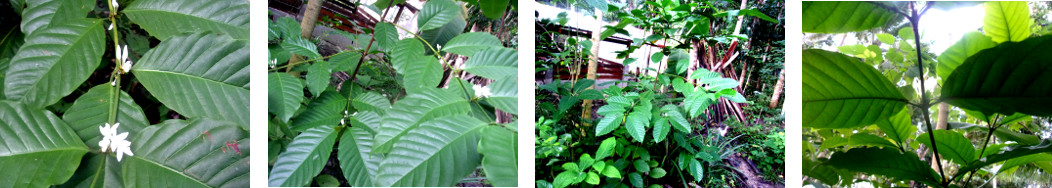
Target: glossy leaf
[[445, 146], [1007, 153], [498, 147], [886, 38], [468, 44], [437, 13], [386, 36], [494, 63], [411, 111], [92, 109], [168, 18], [301, 46], [952, 145], [844, 16], [406, 55], [441, 35], [39, 149], [54, 61], [284, 95], [39, 14], [200, 75], [636, 124], [304, 159], [318, 76], [1007, 21], [371, 101], [608, 124], [358, 163], [887, 162], [326, 109], [840, 92], [695, 169], [866, 139], [661, 128], [1009, 78], [426, 73], [971, 43], [898, 127], [606, 148], [505, 94], [195, 153]]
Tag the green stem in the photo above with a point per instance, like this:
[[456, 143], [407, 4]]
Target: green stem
[[362, 58], [115, 90], [425, 43], [914, 21], [98, 171]]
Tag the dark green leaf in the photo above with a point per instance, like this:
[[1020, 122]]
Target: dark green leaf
[[301, 46], [284, 94], [47, 150], [318, 76], [840, 92], [357, 161], [194, 153], [411, 111], [844, 16], [437, 13], [887, 162], [92, 110], [40, 14], [167, 18], [428, 150], [305, 157], [493, 63], [636, 124], [326, 109], [952, 145], [1005, 79], [500, 156], [468, 44], [54, 61], [971, 43], [386, 36], [493, 9]]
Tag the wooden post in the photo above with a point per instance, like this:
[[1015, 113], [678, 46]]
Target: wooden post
[[310, 16], [778, 89], [586, 111]]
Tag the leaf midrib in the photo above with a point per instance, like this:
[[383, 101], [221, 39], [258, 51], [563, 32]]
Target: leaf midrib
[[171, 169]]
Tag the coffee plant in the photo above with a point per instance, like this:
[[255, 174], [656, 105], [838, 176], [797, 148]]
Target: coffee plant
[[411, 113], [870, 116], [652, 130], [169, 108]]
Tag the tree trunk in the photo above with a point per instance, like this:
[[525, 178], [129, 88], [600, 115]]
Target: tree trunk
[[944, 113], [778, 89], [310, 16], [586, 111]]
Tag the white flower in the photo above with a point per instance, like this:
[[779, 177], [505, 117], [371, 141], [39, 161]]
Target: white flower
[[111, 26], [123, 63], [481, 92], [273, 62], [115, 5], [111, 141], [723, 131]]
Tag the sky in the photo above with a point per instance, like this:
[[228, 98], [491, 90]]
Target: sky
[[945, 27]]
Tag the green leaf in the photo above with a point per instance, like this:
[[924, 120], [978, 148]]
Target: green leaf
[[1040, 157], [305, 157], [92, 110], [661, 128], [886, 38], [866, 139], [345, 62], [431, 149], [635, 179], [609, 123], [326, 109], [54, 61], [411, 111], [641, 165], [606, 148], [493, 9], [89, 172], [406, 55], [952, 145], [168, 18], [906, 33], [468, 44], [385, 4], [372, 102], [437, 13], [754, 13], [284, 94], [1016, 136], [1007, 153], [301, 46], [611, 30], [441, 35], [494, 63], [969, 45], [657, 173], [657, 57], [636, 124], [1007, 21], [40, 14], [611, 172], [898, 127], [318, 76], [695, 169], [505, 94], [326, 180], [887, 162], [427, 73], [840, 92], [697, 102], [201, 75], [564, 179], [358, 163], [619, 101], [47, 153], [386, 36], [195, 153], [844, 16], [498, 147], [678, 121], [1005, 79], [820, 171], [593, 178]]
